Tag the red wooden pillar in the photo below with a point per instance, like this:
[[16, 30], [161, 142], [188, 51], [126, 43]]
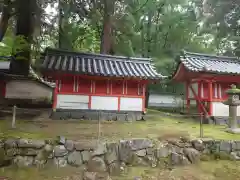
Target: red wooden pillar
[[210, 97], [55, 95], [144, 98], [187, 97], [200, 110]]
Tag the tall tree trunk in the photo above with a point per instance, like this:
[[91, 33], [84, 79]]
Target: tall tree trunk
[[149, 42], [24, 29], [60, 26], [6, 14], [149, 35], [142, 39], [63, 39], [106, 36]]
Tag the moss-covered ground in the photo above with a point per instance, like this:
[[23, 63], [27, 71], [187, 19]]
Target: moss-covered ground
[[158, 125]]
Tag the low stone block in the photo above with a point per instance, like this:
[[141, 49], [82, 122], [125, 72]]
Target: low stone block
[[162, 152], [12, 152], [28, 152], [141, 153], [152, 160], [234, 156], [150, 151], [69, 145], [198, 144], [10, 143], [26, 143], [100, 149], [23, 161], [42, 157], [139, 161], [60, 151], [60, 161], [178, 159], [138, 144], [126, 154], [236, 146], [214, 146], [192, 154], [114, 169], [121, 117], [96, 164], [112, 153], [75, 159], [86, 155], [85, 145], [225, 146]]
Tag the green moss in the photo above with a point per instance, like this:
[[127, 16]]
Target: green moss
[[2, 155], [222, 155], [205, 157]]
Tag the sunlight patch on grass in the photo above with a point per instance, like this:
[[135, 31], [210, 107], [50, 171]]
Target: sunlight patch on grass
[[158, 125]]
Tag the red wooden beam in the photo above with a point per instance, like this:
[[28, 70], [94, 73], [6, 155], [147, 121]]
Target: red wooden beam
[[199, 101], [187, 97], [92, 77], [55, 96], [210, 88]]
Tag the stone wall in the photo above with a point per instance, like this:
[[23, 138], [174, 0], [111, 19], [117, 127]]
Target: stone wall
[[112, 158], [95, 115]]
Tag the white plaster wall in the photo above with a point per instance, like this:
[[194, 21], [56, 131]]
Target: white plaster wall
[[163, 100], [72, 101], [104, 103], [131, 104], [220, 109], [195, 87], [27, 89]]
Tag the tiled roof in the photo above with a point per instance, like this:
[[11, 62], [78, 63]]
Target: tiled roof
[[209, 63], [98, 64], [5, 72]]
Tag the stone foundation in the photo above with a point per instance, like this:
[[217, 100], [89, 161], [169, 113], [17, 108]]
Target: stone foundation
[[113, 158], [221, 120], [95, 115]]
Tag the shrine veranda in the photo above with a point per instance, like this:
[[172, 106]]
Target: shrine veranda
[[207, 78]]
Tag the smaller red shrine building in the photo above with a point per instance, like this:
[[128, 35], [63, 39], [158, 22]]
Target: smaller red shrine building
[[18, 89], [206, 78], [88, 83]]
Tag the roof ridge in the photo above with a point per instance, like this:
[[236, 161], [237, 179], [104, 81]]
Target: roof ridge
[[211, 56], [49, 49]]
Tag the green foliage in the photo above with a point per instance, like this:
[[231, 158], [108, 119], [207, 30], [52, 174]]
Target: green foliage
[[7, 44], [20, 45], [221, 19], [154, 28]]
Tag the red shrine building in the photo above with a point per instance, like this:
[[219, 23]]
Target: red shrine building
[[206, 78], [87, 84]]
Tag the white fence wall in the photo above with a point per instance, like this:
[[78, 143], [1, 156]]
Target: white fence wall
[[131, 104], [72, 101], [104, 103], [163, 100], [222, 110]]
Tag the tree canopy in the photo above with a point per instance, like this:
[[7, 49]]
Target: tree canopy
[[159, 29]]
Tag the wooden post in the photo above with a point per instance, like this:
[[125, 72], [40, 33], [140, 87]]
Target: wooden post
[[201, 125], [200, 110], [210, 88], [99, 126], [187, 98], [14, 117]]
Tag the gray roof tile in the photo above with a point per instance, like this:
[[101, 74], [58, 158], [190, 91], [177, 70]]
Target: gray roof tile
[[209, 63], [97, 64]]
